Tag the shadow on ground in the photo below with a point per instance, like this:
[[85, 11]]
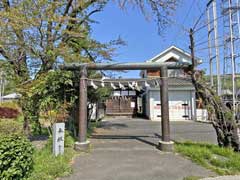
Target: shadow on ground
[[125, 149]]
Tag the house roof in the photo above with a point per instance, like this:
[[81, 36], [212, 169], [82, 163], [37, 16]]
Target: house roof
[[172, 49], [174, 53], [12, 96], [176, 81]]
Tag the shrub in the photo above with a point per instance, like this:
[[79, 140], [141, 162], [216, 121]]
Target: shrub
[[6, 112], [68, 139], [11, 104], [10, 127], [16, 157]]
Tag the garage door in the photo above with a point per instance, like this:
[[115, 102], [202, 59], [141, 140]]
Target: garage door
[[179, 105]]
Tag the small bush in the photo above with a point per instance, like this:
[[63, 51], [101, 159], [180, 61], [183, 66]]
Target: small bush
[[11, 104], [10, 127], [16, 159], [68, 139], [6, 112]]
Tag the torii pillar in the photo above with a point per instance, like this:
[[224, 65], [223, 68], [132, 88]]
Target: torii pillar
[[165, 144], [83, 144]]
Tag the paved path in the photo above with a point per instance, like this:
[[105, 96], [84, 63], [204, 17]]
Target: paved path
[[125, 149]]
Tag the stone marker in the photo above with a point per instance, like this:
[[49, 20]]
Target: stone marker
[[58, 138]]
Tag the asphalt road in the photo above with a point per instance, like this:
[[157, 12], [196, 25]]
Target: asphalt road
[[125, 149]]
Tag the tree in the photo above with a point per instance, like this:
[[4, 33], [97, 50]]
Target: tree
[[219, 114], [36, 36]]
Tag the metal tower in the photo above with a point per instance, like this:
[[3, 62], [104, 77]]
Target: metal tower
[[213, 46], [231, 31]]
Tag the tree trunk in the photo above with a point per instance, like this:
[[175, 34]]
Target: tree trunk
[[26, 127], [220, 116]]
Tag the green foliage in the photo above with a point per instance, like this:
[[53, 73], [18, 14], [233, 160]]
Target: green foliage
[[192, 178], [227, 83], [42, 33], [10, 127], [55, 166], [68, 140], [10, 80], [15, 157], [224, 161], [92, 127], [98, 95], [229, 115], [10, 104], [49, 96]]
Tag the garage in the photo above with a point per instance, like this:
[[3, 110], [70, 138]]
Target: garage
[[181, 102]]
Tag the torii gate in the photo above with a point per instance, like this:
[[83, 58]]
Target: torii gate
[[165, 144]]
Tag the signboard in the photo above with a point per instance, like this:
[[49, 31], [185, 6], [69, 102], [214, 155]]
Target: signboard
[[58, 138], [132, 104], [116, 93]]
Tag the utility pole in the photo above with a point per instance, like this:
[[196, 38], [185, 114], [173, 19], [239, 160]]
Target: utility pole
[[192, 46]]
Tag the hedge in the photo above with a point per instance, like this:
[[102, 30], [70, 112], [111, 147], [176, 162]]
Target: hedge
[[7, 112], [16, 157], [10, 126]]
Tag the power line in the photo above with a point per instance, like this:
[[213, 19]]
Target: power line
[[189, 10], [203, 42], [207, 24], [200, 17], [205, 48], [183, 22]]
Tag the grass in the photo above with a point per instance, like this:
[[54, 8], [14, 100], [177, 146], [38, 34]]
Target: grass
[[92, 127], [223, 161], [192, 178], [48, 167]]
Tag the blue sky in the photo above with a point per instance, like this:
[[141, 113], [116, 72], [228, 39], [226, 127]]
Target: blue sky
[[141, 35]]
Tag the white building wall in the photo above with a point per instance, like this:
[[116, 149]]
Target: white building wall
[[147, 106], [181, 105]]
